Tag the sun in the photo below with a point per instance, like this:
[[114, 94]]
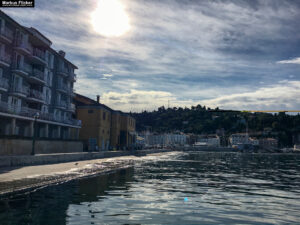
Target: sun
[[110, 18]]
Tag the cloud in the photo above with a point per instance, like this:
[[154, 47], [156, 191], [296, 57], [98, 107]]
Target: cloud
[[282, 96], [195, 51], [290, 61], [107, 75]]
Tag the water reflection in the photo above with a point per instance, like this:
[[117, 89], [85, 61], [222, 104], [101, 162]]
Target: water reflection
[[49, 206], [220, 188]]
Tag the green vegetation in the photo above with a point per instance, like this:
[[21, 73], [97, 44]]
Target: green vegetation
[[201, 120]]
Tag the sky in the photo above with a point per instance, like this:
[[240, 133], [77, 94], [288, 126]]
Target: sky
[[231, 54]]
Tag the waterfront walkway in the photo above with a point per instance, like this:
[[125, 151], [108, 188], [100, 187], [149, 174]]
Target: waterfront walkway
[[13, 179], [28, 160]]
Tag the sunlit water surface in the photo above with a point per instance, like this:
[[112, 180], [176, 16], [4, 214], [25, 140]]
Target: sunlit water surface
[[183, 188]]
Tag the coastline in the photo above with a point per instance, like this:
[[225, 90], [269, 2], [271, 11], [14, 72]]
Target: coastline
[[15, 180]]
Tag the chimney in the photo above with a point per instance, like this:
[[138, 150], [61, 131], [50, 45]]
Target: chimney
[[62, 53], [98, 98]]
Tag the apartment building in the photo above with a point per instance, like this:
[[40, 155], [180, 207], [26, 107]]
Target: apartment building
[[102, 127], [36, 83]]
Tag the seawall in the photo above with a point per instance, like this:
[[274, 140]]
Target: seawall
[[42, 159]]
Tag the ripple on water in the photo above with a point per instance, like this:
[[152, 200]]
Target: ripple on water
[[184, 188]]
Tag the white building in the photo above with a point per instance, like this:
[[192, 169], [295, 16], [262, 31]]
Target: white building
[[166, 139], [209, 140], [240, 138]]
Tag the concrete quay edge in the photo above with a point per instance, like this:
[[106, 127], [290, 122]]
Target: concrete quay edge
[[43, 159]]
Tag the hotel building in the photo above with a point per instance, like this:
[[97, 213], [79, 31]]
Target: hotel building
[[36, 83]]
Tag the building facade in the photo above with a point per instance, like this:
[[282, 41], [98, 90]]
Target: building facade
[[115, 138], [165, 139], [96, 123], [240, 138], [102, 127], [127, 131], [36, 84], [209, 140]]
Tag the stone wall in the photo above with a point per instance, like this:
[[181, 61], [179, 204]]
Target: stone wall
[[10, 146]]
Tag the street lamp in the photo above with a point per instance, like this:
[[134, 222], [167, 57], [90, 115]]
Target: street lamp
[[36, 116]]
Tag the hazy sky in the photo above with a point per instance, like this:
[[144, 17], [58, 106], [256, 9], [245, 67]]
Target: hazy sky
[[232, 54]]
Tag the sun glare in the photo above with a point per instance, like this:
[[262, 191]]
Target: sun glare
[[110, 18]]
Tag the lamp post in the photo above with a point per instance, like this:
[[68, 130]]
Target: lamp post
[[36, 116]]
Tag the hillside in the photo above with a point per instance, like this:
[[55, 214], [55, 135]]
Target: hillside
[[201, 120]]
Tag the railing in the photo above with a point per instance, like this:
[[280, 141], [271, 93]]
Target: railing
[[20, 89], [4, 83], [36, 94], [5, 58], [30, 112], [38, 74], [71, 107], [4, 107], [38, 53], [73, 122]]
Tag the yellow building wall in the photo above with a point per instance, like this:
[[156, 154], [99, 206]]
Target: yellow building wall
[[112, 130], [115, 130], [95, 125], [127, 127]]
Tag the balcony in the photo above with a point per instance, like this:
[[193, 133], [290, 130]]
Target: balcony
[[29, 112], [62, 105], [22, 70], [72, 77], [63, 71], [6, 35], [62, 87], [5, 60], [38, 57], [20, 91], [23, 48], [3, 84], [73, 122], [6, 108], [37, 76], [35, 96], [71, 92], [71, 108]]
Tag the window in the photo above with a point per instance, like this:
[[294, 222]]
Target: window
[[90, 111], [104, 115]]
